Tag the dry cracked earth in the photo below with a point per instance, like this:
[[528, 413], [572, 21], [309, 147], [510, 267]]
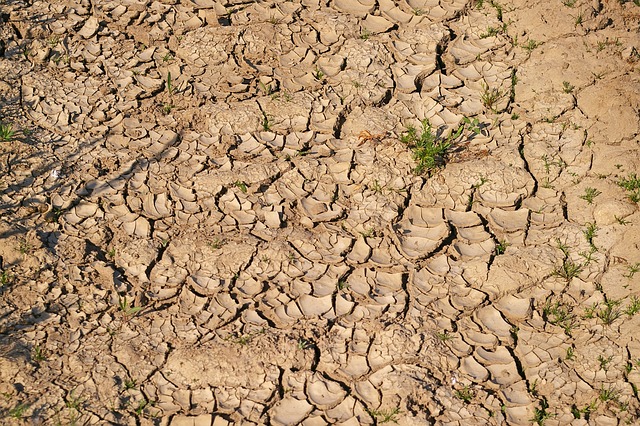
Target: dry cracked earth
[[210, 212]]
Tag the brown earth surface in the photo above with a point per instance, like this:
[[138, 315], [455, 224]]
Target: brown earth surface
[[210, 212]]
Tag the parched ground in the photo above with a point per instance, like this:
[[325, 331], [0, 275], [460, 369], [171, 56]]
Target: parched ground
[[209, 212]]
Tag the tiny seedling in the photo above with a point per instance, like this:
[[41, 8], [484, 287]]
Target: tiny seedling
[[304, 344], [540, 414], [141, 406], [490, 97], [38, 354], [216, 244], [6, 278], [6, 132], [610, 312], [609, 394], [604, 362], [632, 184], [241, 186], [18, 411], [474, 125], [166, 108], [466, 394], [169, 84], [570, 353], [560, 315], [128, 310], [621, 220], [129, 384], [530, 45], [567, 87], [634, 306], [342, 284], [568, 270], [569, 3], [266, 122], [266, 88], [590, 194], [491, 32], [364, 35], [167, 57], [632, 270], [501, 247], [444, 336], [590, 233], [385, 416], [112, 252], [318, 74]]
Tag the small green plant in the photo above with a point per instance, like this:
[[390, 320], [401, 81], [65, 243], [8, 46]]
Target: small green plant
[[578, 19], [501, 247], [610, 312], [568, 270], [570, 353], [364, 35], [318, 74], [490, 97], [569, 3], [609, 394], [444, 336], [24, 247], [342, 284], [6, 132], [241, 186], [385, 416], [74, 402], [634, 306], [590, 233], [466, 394], [267, 89], [167, 57], [632, 270], [169, 84], [530, 45], [474, 125], [266, 122], [604, 362], [590, 194], [18, 411], [128, 310], [141, 406], [621, 220], [632, 184], [586, 411], [540, 414], [6, 278], [376, 187], [38, 354], [491, 32], [560, 315], [216, 244], [429, 150], [130, 384], [166, 108], [112, 252], [304, 344], [515, 116], [567, 87], [245, 339]]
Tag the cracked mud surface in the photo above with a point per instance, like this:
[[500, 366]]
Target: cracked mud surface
[[207, 216]]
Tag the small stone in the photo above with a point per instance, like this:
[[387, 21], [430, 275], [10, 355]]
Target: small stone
[[89, 28]]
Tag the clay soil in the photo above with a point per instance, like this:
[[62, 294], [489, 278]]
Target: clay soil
[[215, 212]]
